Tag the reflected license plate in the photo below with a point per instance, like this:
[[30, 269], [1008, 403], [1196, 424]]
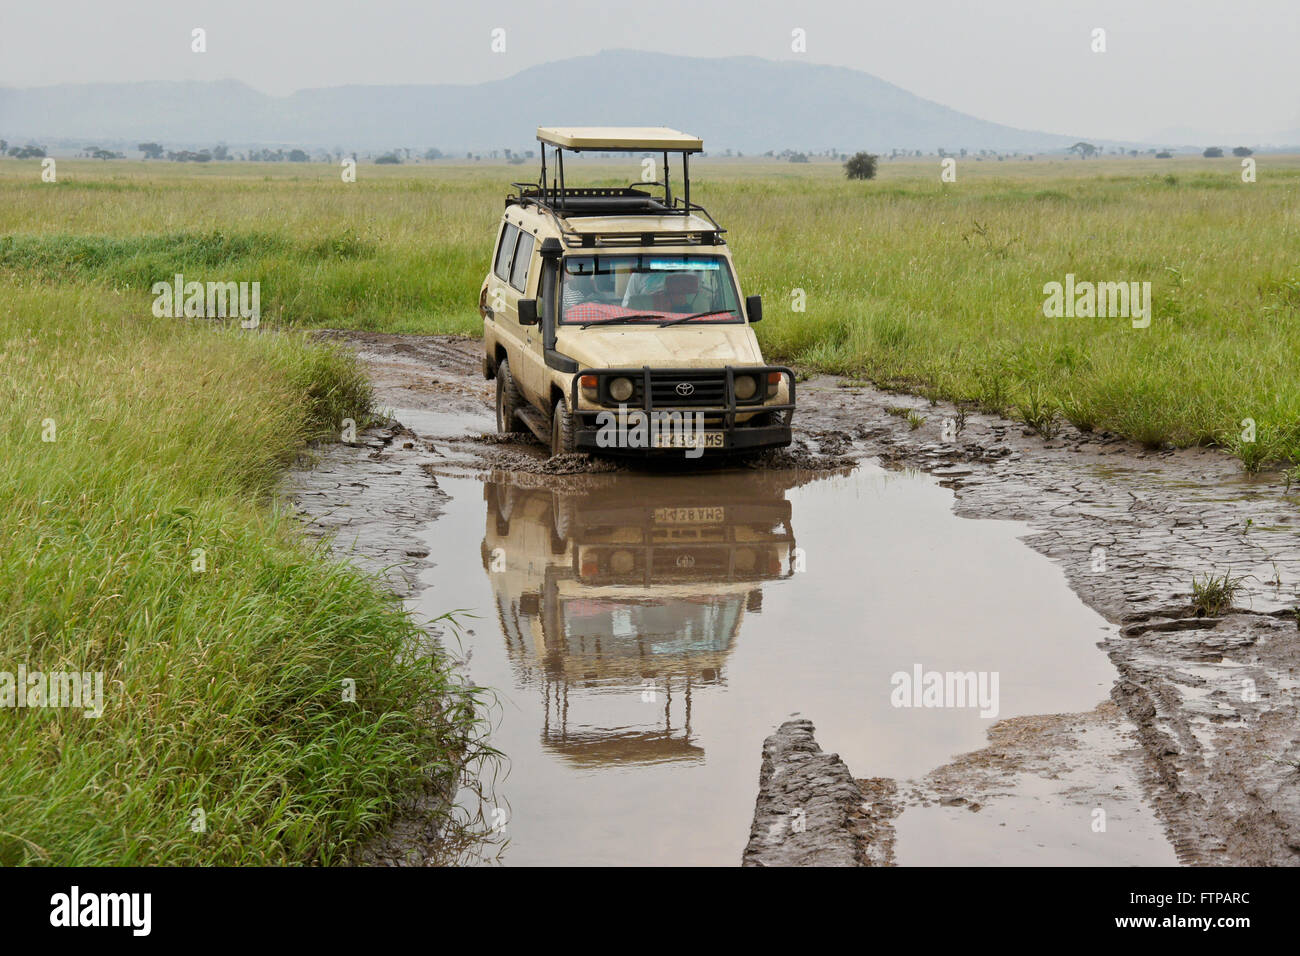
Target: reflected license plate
[[714, 515]]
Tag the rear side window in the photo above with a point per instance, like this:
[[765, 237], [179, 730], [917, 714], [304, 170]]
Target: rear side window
[[502, 266], [523, 255]]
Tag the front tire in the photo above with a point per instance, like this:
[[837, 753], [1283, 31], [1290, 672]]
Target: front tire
[[561, 430], [508, 401]]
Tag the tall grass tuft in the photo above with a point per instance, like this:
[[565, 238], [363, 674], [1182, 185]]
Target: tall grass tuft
[[1213, 594]]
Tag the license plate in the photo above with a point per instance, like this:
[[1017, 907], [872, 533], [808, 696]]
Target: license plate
[[714, 515], [675, 439]]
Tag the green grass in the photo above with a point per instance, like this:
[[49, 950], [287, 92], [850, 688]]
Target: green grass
[[223, 687], [1214, 594], [1039, 412], [910, 283]]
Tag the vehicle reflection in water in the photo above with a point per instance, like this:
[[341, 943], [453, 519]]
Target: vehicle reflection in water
[[630, 709], [630, 591]]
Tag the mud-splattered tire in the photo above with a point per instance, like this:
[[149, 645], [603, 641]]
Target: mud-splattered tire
[[508, 401], [561, 429]]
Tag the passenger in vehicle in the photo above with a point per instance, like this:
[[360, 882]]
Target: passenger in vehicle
[[578, 290]]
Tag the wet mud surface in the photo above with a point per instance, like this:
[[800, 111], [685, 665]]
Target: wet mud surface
[[1183, 734]]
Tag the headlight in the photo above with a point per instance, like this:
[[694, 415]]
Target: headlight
[[746, 387], [620, 389]]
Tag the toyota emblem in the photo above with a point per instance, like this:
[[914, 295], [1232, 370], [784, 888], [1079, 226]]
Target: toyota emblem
[[685, 388]]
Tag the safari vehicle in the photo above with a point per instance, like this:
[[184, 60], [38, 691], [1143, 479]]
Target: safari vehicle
[[622, 301]]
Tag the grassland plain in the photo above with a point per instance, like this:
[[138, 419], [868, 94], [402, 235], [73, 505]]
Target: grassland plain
[[140, 537], [937, 288]]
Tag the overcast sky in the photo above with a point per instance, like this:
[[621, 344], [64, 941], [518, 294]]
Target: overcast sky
[[1231, 67]]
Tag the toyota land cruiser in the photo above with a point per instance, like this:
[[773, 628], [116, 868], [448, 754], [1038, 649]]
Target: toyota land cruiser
[[613, 320]]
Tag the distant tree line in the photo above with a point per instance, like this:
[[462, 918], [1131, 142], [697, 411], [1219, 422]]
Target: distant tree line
[[21, 152], [153, 150], [220, 152]]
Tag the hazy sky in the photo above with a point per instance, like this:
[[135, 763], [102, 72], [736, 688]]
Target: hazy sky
[[1222, 66]]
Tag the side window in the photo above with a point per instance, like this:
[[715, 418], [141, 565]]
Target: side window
[[523, 255], [507, 246]]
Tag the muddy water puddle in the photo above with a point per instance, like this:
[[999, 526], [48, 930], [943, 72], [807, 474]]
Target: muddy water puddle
[[644, 633]]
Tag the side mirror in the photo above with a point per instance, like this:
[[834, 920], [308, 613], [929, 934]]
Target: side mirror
[[527, 311], [754, 308]]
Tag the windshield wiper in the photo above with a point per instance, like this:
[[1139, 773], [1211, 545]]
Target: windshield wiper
[[697, 315], [618, 320]]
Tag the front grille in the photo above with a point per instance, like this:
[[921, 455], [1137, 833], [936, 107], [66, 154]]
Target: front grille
[[706, 388]]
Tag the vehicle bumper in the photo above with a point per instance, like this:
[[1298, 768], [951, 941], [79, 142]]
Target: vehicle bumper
[[737, 440], [591, 430]]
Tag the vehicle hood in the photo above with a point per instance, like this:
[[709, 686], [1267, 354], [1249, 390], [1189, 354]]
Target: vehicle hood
[[706, 347]]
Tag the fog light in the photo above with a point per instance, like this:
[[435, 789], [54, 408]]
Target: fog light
[[746, 387], [620, 389]]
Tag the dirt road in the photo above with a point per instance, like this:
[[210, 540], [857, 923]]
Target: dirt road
[[1200, 726]]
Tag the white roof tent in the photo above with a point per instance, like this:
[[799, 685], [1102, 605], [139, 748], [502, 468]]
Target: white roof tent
[[675, 219]]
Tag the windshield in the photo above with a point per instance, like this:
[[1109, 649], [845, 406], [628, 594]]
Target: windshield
[[647, 289]]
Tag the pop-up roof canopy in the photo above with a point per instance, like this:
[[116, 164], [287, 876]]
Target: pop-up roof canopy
[[614, 138], [619, 214]]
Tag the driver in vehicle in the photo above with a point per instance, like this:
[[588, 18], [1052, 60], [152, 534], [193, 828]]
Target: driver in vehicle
[[678, 293]]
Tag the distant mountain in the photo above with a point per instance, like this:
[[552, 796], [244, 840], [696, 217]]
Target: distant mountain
[[741, 103]]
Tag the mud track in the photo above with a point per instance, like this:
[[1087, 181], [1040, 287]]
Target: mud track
[[1209, 703]]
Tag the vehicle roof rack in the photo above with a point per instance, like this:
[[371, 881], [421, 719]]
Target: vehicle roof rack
[[604, 205]]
